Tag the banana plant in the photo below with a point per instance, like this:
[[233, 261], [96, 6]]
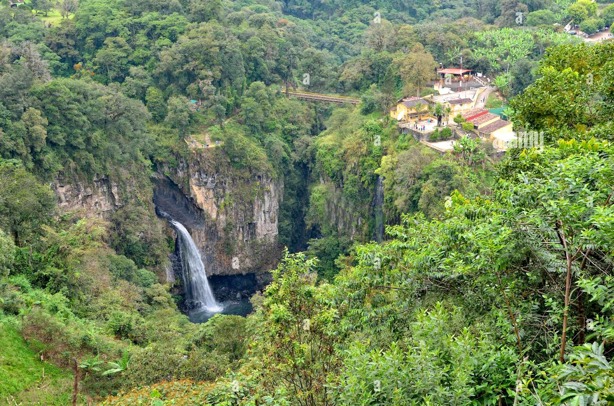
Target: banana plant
[[87, 366], [91, 365], [453, 54], [120, 366]]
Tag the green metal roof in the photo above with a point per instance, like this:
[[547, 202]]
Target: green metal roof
[[499, 112]]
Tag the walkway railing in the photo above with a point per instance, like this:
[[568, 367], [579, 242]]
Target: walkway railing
[[328, 98]]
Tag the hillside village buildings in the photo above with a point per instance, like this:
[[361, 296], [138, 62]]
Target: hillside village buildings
[[458, 92]]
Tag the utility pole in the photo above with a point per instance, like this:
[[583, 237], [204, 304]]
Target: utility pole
[[461, 71]]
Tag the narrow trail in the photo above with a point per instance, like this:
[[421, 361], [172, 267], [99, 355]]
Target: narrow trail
[[479, 104]]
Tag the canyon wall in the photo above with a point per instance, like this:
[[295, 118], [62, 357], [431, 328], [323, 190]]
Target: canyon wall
[[231, 214], [100, 197]]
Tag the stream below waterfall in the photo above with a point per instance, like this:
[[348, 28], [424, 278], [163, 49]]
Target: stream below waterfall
[[378, 203]]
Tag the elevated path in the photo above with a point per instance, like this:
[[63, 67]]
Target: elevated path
[[320, 97]]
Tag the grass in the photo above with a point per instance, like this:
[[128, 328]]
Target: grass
[[493, 101], [24, 378], [54, 17]]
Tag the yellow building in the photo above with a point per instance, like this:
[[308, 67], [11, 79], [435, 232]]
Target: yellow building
[[459, 105], [410, 108], [499, 129], [458, 102]]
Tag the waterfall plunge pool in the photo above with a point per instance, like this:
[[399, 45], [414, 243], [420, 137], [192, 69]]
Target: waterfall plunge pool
[[241, 307], [204, 298], [232, 293]]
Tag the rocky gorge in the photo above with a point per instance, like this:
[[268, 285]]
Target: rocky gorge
[[232, 216]]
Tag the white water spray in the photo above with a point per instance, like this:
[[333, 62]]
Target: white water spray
[[198, 292]]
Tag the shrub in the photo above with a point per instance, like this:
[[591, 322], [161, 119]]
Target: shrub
[[608, 15], [592, 25], [467, 126], [53, 338], [202, 365], [21, 282], [434, 136], [61, 340], [442, 362], [7, 254], [10, 300], [441, 134], [128, 326], [139, 236], [180, 393], [445, 133], [144, 278], [541, 17], [125, 268], [369, 101], [153, 364], [25, 203], [122, 267], [20, 375], [225, 334]]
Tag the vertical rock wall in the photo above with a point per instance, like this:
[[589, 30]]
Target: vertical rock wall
[[232, 215]]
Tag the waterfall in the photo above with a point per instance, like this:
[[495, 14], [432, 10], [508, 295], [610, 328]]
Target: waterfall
[[378, 203], [198, 293]]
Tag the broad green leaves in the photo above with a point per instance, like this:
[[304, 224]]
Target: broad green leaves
[[573, 93], [504, 46]]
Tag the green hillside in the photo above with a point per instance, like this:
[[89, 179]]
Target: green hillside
[[25, 378], [398, 243]]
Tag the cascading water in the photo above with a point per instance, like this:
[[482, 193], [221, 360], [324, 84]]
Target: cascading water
[[378, 209], [199, 296]]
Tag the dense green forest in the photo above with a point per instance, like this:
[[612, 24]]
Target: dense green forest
[[493, 283]]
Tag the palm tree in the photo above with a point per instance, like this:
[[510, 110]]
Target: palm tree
[[420, 108], [438, 111], [452, 54], [508, 112], [447, 111]]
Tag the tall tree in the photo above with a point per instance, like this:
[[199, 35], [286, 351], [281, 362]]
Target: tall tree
[[112, 60], [416, 69], [25, 204], [68, 7], [179, 115]]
